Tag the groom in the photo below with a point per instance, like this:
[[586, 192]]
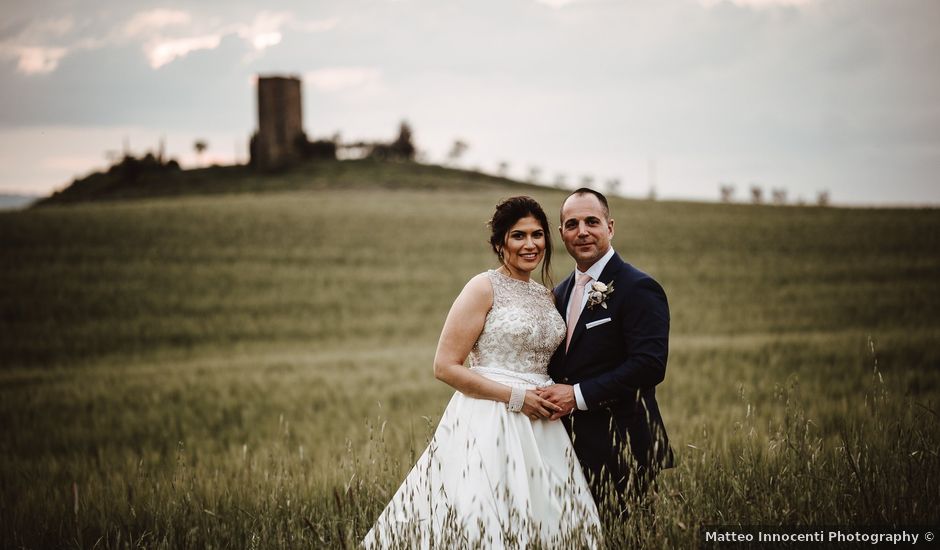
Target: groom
[[607, 368]]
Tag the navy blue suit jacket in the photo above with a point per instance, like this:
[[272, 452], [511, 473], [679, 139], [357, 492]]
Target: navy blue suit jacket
[[618, 362]]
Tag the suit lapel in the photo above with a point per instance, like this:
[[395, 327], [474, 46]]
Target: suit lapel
[[564, 294], [587, 315]]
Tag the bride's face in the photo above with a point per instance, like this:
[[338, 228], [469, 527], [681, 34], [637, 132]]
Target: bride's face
[[524, 245]]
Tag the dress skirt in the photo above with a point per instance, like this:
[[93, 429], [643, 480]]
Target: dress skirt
[[492, 478]]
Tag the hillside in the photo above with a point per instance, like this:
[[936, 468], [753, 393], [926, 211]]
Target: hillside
[[142, 178], [232, 368], [98, 279]]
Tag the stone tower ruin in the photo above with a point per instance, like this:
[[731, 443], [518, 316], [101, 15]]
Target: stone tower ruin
[[280, 136]]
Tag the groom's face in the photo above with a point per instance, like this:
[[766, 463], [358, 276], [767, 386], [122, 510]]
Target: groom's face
[[586, 229]]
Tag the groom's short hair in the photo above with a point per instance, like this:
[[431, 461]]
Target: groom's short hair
[[587, 191]]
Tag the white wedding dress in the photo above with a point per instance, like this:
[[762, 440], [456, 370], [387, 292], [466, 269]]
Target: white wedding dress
[[491, 478]]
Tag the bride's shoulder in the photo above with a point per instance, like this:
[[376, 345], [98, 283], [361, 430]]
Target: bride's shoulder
[[482, 280], [480, 287], [489, 280]]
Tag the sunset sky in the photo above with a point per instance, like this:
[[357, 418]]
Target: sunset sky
[[801, 95]]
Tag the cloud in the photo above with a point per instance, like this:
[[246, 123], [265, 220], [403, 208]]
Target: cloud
[[37, 48], [335, 79], [162, 52], [265, 30], [166, 35], [33, 59], [147, 22]]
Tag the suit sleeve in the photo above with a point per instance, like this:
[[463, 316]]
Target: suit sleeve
[[646, 334]]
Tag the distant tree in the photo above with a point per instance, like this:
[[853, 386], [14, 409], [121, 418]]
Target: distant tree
[[200, 146], [132, 170], [403, 148], [502, 170], [822, 198], [757, 195], [727, 193], [457, 150], [400, 149], [613, 186], [651, 196], [534, 173], [561, 180], [779, 196], [318, 149], [587, 180]]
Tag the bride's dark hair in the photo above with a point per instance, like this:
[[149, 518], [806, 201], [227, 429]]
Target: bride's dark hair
[[510, 211]]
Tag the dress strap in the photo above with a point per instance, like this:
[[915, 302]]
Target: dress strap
[[501, 288]]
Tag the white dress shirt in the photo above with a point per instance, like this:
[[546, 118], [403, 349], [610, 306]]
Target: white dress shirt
[[595, 272]]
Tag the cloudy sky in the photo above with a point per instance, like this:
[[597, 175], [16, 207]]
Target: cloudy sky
[[801, 95]]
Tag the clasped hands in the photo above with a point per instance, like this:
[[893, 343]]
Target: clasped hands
[[550, 403]]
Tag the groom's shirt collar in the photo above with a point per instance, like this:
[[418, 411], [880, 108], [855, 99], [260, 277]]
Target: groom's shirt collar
[[595, 270]]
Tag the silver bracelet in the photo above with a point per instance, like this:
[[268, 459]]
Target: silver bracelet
[[516, 399]]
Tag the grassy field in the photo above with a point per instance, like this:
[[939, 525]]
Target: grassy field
[[253, 369]]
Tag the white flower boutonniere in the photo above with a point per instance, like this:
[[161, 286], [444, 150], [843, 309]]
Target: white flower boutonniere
[[599, 294]]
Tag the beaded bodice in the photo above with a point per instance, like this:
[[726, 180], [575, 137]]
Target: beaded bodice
[[522, 329]]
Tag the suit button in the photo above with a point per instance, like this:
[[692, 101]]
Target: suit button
[[565, 379]]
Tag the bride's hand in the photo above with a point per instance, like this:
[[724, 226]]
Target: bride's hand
[[535, 407]]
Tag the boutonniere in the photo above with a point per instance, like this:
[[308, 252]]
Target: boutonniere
[[599, 294]]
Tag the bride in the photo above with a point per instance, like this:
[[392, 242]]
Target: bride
[[497, 473]]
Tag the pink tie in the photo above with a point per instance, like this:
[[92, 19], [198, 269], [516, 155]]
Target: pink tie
[[574, 312]]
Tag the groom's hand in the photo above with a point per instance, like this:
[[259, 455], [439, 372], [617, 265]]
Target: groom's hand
[[561, 395]]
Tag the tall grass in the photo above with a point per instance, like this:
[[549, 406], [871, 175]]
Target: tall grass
[[254, 370], [163, 474]]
